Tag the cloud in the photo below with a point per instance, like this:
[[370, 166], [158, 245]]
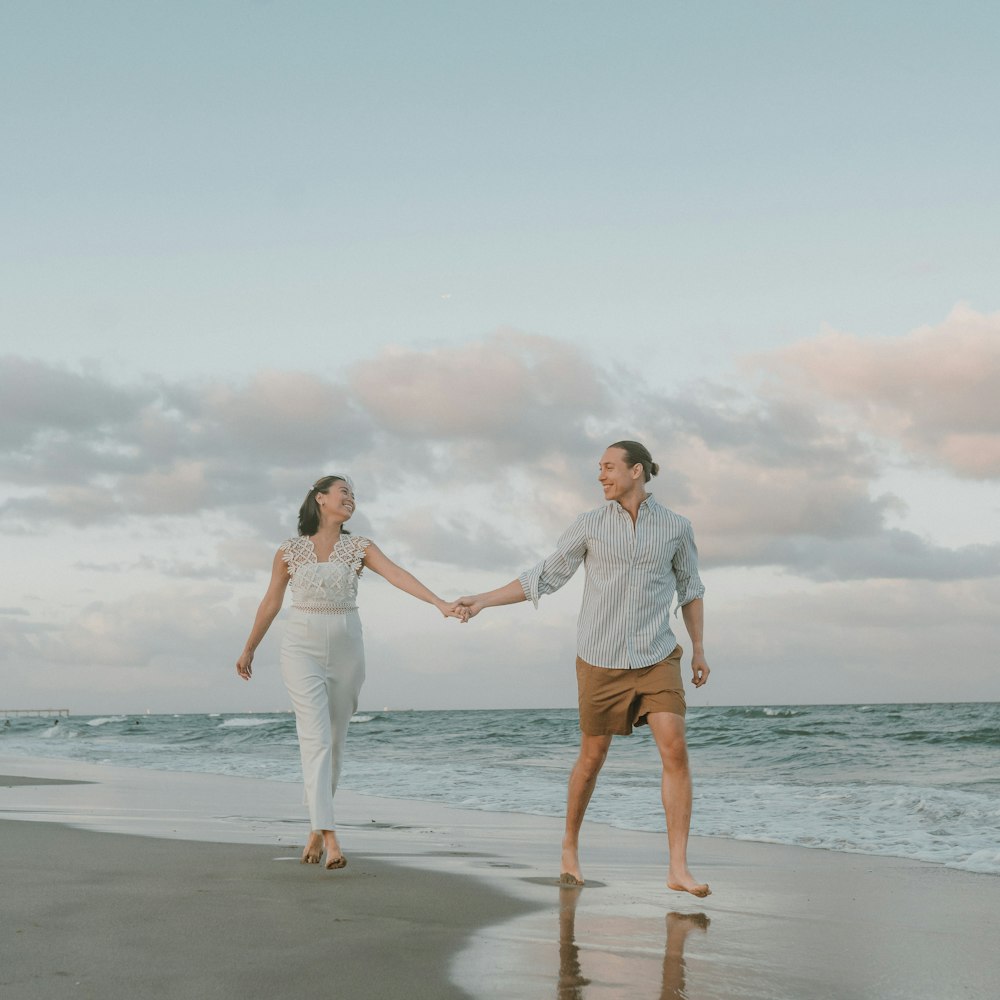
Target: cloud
[[293, 419], [230, 560], [171, 647], [864, 640], [38, 400], [458, 540], [822, 524], [774, 475], [74, 505], [932, 390], [890, 554], [767, 482], [522, 395], [87, 451], [479, 455], [512, 408], [469, 462], [164, 628], [851, 642], [157, 449]]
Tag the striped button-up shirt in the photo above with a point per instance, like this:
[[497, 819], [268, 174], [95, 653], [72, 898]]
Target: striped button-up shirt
[[633, 572]]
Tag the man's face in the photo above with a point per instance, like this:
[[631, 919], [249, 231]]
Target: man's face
[[617, 478]]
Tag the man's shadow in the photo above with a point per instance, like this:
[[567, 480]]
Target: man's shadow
[[573, 984]]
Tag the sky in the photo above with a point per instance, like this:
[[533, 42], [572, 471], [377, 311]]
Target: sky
[[456, 249]]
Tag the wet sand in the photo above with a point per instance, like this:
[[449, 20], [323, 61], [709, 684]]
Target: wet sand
[[156, 884], [109, 916]]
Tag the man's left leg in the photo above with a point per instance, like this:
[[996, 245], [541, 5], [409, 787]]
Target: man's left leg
[[668, 731]]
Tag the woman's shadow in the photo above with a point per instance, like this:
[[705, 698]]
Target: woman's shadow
[[573, 984]]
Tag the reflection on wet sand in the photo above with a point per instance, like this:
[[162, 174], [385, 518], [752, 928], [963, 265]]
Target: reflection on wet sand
[[572, 982], [679, 926]]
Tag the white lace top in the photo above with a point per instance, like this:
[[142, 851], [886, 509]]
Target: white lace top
[[329, 587]]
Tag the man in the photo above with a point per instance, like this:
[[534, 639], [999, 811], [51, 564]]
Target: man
[[637, 555]]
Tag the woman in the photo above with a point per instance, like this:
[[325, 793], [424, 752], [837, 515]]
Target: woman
[[322, 655]]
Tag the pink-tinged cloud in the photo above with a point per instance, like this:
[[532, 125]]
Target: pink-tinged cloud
[[183, 488], [297, 415], [933, 390], [480, 455], [502, 387]]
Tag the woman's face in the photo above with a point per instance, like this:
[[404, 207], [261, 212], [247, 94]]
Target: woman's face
[[337, 501]]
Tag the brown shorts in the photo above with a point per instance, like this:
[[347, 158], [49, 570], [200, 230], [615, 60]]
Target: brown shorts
[[613, 701]]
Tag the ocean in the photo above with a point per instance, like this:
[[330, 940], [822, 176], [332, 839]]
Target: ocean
[[917, 781]]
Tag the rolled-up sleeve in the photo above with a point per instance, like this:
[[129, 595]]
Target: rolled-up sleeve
[[685, 563], [555, 570]]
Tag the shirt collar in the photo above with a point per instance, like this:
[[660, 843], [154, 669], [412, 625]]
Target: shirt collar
[[647, 501]]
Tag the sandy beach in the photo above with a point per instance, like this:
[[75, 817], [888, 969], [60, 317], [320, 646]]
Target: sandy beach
[[126, 883]]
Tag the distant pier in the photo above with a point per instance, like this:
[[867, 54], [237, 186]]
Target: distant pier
[[41, 713]]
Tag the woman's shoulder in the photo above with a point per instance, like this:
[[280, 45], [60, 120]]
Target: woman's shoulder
[[351, 550], [296, 549], [356, 543]]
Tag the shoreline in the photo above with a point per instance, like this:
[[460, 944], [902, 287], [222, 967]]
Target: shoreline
[[783, 922], [917, 777]]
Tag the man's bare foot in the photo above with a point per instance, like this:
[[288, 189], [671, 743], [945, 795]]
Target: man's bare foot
[[685, 882], [313, 850], [570, 873], [334, 856]]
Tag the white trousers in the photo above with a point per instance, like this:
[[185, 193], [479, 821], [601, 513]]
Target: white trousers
[[323, 667]]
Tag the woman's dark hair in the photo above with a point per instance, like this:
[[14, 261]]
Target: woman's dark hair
[[309, 511], [638, 454]]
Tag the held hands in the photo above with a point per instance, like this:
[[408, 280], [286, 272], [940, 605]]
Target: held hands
[[454, 609], [471, 605], [463, 609]]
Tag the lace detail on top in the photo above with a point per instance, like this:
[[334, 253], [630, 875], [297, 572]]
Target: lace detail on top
[[331, 585], [324, 609]]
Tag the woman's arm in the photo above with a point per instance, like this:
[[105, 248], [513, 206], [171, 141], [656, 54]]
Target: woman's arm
[[269, 608], [378, 562]]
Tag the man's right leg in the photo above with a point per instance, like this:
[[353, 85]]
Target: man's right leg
[[582, 782], [668, 731]]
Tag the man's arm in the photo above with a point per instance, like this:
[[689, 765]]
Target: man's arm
[[545, 578], [694, 622], [510, 593], [555, 570]]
